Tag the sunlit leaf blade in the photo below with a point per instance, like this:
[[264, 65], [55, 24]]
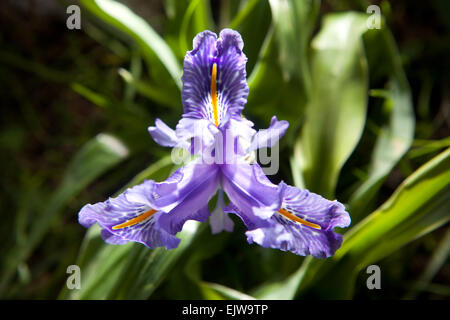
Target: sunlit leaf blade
[[94, 158], [293, 25], [91, 96], [395, 136], [185, 19], [159, 95], [280, 79], [295, 162], [336, 113], [252, 15], [129, 271], [420, 205], [214, 291], [145, 269], [438, 259], [434, 177], [431, 216], [151, 44], [243, 14], [100, 266], [197, 18], [285, 289], [424, 147]]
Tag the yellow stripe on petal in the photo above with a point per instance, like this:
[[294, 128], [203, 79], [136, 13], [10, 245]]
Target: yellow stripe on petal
[[290, 216], [135, 220], [214, 94]]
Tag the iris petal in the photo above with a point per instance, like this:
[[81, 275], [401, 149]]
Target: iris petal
[[250, 220], [249, 189], [185, 195], [267, 138], [231, 83], [242, 131], [129, 205], [196, 78], [162, 134], [201, 132], [288, 235], [226, 56], [219, 219]]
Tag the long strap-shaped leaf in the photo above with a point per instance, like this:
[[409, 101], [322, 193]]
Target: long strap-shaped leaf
[[396, 135], [131, 24], [336, 111], [94, 158]]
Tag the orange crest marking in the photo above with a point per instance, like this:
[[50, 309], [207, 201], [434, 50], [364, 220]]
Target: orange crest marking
[[214, 94], [135, 220], [290, 216]]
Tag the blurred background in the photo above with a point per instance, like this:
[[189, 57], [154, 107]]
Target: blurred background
[[76, 104]]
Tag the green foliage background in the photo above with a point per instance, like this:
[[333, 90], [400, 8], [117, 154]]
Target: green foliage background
[[369, 126]]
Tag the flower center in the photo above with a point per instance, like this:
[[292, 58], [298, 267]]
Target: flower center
[[214, 94], [292, 217], [136, 220]]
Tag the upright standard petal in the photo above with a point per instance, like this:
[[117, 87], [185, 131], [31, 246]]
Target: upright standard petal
[[197, 72], [232, 88], [129, 217], [303, 225], [214, 77]]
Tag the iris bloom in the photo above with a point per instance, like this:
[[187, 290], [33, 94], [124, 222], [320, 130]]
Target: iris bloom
[[212, 127]]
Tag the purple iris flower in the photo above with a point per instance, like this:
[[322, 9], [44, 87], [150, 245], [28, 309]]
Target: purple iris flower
[[221, 141]]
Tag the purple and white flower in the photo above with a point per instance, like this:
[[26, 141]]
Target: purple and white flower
[[213, 95]]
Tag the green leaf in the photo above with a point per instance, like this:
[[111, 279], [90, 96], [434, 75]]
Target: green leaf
[[285, 289], [438, 259], [279, 82], [424, 147], [214, 291], [410, 213], [145, 269], [185, 19], [396, 135], [100, 266], [157, 94], [196, 19], [293, 24], [90, 95], [243, 14], [434, 176], [151, 44], [94, 158], [248, 17], [336, 112]]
